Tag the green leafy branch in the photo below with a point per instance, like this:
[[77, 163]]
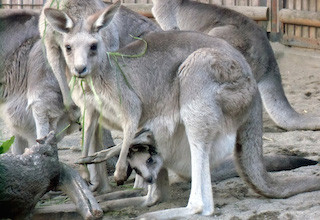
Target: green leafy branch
[[114, 57], [5, 145]]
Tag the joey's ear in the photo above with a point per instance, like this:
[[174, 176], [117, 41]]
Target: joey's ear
[[59, 20], [103, 18]]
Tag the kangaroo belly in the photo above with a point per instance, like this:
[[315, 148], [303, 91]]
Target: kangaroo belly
[[176, 151]]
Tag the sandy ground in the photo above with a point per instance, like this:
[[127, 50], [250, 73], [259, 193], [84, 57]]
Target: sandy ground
[[300, 69]]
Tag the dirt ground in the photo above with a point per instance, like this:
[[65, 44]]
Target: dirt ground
[[300, 69]]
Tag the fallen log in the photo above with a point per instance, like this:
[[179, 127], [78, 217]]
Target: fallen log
[[25, 178]]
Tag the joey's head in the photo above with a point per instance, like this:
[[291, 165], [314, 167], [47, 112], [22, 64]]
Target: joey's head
[[82, 43], [143, 156], [145, 161]]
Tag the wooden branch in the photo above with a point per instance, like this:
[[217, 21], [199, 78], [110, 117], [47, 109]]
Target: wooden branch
[[77, 190], [25, 178], [308, 18]]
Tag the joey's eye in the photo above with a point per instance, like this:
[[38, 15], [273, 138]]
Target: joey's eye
[[68, 48], [94, 47], [150, 161]]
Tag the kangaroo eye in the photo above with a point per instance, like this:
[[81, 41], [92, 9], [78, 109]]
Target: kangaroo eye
[[68, 48], [150, 161], [94, 47]]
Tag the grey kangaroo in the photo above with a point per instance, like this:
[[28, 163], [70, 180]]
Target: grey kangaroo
[[116, 35], [30, 99], [196, 94], [31, 103], [246, 36], [145, 159]]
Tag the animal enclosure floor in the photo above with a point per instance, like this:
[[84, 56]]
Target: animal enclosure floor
[[300, 70]]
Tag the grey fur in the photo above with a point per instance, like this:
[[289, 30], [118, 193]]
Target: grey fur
[[116, 35], [189, 89], [30, 101], [246, 36]]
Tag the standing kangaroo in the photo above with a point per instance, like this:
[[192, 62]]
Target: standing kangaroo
[[246, 36], [192, 91], [30, 99], [116, 35]]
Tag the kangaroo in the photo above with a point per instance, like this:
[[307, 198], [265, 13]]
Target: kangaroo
[[125, 24], [30, 107], [193, 91], [145, 159], [152, 176], [31, 103], [246, 36]]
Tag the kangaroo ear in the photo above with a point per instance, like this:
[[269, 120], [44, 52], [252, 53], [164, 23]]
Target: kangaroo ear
[[103, 18], [59, 20]]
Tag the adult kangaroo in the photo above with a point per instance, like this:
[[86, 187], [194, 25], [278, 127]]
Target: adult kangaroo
[[30, 99], [116, 35], [246, 36], [196, 93]]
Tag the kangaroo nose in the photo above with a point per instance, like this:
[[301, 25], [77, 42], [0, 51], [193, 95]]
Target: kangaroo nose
[[81, 69], [149, 179]]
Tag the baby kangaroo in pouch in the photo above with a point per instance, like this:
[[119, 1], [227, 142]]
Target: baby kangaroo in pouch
[[195, 93]]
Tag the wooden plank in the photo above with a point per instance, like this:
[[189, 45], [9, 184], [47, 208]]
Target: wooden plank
[[129, 1], [204, 1], [229, 2], [273, 21], [143, 1], [301, 42], [255, 3], [318, 29], [255, 13], [242, 3], [218, 2], [307, 18], [312, 30], [290, 27], [305, 29], [298, 28]]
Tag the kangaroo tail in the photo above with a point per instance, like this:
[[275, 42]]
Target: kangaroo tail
[[227, 169], [278, 106], [251, 167]]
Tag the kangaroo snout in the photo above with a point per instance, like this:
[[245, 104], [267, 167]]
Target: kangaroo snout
[[81, 71]]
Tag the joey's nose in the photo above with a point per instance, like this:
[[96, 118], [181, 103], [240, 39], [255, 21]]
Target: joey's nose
[[81, 69], [149, 179]]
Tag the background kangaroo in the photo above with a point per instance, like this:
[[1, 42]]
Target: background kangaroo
[[186, 94], [246, 36], [30, 101]]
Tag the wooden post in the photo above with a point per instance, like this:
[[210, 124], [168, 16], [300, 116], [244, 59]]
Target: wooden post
[[313, 7], [318, 29], [298, 29], [305, 29]]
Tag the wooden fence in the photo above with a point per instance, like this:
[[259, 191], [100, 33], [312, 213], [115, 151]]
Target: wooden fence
[[301, 23], [292, 22]]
